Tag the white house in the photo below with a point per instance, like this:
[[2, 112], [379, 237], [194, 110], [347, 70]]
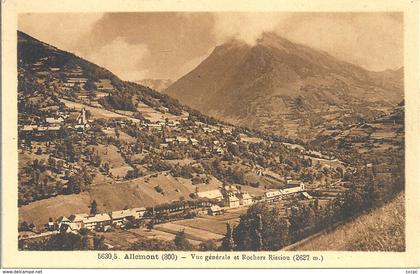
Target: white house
[[273, 195], [215, 210], [231, 201], [121, 216], [77, 219], [102, 220], [181, 139], [139, 212], [54, 121], [244, 198], [293, 189], [62, 221]]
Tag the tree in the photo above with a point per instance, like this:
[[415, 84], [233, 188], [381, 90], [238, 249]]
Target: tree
[[208, 245], [150, 225], [90, 85], [106, 168], [98, 242], [273, 229], [73, 185], [61, 241], [258, 237], [181, 241], [228, 243], [93, 208]]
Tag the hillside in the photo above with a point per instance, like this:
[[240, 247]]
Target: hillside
[[380, 230], [285, 88]]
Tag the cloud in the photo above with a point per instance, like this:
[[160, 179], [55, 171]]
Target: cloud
[[63, 30], [247, 27], [371, 40], [169, 44], [122, 58]]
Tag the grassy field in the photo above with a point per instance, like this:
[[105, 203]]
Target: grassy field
[[195, 234], [110, 154], [97, 112], [123, 136], [380, 230]]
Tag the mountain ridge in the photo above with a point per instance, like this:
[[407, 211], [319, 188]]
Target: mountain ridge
[[235, 82]]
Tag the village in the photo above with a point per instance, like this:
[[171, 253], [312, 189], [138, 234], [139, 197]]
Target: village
[[180, 135], [215, 202]]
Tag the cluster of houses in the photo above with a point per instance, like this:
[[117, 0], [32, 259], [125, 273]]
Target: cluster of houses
[[227, 197], [291, 189], [233, 197], [76, 120], [100, 221]]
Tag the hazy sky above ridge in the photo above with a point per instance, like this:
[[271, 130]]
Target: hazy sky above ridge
[[168, 45]]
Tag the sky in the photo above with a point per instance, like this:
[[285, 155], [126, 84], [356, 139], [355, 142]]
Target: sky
[[168, 45]]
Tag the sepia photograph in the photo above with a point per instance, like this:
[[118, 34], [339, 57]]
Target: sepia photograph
[[211, 131], [220, 136]]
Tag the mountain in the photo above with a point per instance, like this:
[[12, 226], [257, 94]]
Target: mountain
[[156, 84], [285, 88]]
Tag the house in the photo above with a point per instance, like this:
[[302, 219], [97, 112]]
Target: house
[[62, 221], [293, 188], [121, 216], [154, 126], [51, 225], [98, 221], [27, 128], [78, 80], [169, 140], [215, 210], [77, 219], [244, 198], [211, 194], [72, 228], [194, 141], [54, 121], [272, 196], [306, 195], [226, 130], [139, 212], [219, 150], [182, 140], [231, 201]]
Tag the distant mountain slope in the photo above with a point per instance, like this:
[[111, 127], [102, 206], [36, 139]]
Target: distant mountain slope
[[156, 84], [284, 87]]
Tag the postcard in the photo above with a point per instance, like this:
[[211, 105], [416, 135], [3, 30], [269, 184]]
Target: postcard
[[216, 134]]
